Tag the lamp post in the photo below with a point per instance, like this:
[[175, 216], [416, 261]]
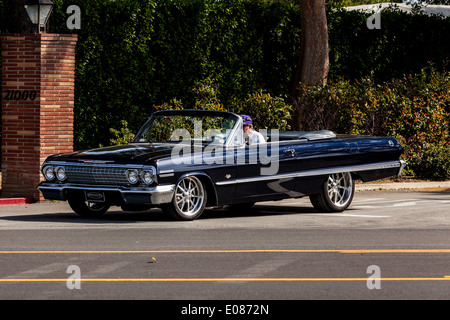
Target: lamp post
[[39, 11]]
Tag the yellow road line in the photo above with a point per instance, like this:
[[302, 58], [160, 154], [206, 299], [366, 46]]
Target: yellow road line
[[173, 251], [235, 251], [445, 278], [168, 251], [398, 251]]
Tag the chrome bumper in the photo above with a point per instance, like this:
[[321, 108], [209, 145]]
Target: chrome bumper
[[402, 166], [130, 195]]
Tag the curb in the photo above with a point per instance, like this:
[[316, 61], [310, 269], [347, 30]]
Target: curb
[[434, 186], [12, 201]]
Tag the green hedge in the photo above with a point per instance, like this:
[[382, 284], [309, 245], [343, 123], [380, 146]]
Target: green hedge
[[136, 54], [404, 44]]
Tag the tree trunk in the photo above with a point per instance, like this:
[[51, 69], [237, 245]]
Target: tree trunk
[[313, 63]]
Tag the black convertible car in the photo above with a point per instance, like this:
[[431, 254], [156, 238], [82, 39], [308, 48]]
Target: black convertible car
[[187, 160]]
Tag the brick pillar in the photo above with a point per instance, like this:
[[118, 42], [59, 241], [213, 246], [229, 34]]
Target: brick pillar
[[37, 107]]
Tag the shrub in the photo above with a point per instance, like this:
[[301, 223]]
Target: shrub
[[122, 135], [319, 107], [266, 111], [432, 163], [415, 109]]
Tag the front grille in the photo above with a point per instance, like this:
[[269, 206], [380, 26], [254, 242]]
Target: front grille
[[96, 175]]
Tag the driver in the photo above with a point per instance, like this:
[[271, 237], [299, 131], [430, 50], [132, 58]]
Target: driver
[[251, 136]]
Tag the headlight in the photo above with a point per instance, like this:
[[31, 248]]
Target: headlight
[[48, 173], [147, 177], [132, 176], [60, 173]]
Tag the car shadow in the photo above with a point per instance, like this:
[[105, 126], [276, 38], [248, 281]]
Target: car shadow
[[256, 211], [116, 215], [113, 216]]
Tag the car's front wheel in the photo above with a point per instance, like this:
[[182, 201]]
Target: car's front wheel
[[189, 199], [337, 193], [85, 208]]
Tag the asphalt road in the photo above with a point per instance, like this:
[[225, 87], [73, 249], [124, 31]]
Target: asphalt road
[[387, 245]]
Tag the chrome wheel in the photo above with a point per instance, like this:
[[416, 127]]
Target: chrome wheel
[[189, 196], [340, 186], [337, 193], [189, 199]]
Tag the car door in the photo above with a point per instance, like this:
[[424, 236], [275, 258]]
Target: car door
[[262, 171]]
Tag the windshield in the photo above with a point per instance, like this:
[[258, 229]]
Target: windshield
[[188, 127]]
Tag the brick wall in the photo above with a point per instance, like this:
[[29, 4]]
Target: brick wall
[[37, 106]]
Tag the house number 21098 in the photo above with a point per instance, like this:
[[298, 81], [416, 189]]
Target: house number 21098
[[20, 94]]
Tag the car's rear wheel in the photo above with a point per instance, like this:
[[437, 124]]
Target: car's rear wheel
[[85, 208], [189, 199], [337, 193]]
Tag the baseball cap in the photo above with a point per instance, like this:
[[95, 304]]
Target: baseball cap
[[247, 119]]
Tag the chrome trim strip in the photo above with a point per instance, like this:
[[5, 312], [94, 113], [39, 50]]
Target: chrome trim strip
[[166, 175], [318, 172], [86, 164]]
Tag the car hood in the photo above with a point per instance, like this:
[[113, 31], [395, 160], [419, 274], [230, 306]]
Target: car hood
[[130, 153]]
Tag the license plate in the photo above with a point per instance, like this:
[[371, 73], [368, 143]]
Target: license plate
[[94, 196]]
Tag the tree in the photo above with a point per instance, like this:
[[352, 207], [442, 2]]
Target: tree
[[313, 65]]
